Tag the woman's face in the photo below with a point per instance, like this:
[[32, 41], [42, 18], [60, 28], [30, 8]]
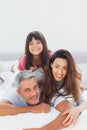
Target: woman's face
[[35, 47], [59, 68]]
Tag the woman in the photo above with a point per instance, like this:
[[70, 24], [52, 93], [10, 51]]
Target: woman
[[62, 90], [64, 80]]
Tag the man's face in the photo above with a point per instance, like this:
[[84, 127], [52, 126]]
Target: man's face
[[29, 91]]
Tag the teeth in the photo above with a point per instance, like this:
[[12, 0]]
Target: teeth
[[58, 76], [35, 49], [35, 97]]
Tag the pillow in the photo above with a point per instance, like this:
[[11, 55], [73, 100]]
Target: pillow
[[6, 65], [1, 64], [32, 120], [27, 120], [83, 68]]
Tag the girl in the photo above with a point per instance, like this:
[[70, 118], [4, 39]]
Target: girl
[[36, 52]]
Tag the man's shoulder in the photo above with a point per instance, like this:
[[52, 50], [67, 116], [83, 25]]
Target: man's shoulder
[[15, 99]]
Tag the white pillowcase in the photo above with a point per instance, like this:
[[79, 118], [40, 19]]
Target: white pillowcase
[[6, 65], [83, 68]]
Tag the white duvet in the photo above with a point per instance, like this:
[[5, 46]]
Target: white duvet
[[26, 120], [29, 120]]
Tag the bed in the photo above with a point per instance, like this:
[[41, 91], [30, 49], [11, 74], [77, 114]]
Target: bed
[[28, 120]]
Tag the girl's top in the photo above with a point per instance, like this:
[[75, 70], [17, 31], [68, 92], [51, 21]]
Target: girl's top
[[21, 65]]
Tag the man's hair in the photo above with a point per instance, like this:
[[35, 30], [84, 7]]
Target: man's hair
[[26, 74]]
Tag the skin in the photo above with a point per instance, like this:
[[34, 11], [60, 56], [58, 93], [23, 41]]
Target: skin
[[36, 48], [59, 69], [54, 125], [30, 92]]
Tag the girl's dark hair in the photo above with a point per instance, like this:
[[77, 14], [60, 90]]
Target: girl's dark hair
[[44, 55]]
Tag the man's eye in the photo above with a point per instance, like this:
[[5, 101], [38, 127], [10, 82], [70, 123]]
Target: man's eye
[[27, 90], [36, 87]]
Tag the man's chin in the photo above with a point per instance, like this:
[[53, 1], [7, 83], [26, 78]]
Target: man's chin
[[34, 103]]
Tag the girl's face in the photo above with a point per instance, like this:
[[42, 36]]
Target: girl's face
[[59, 68], [35, 47]]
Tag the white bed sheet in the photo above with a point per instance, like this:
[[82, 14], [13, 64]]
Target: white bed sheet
[[28, 120], [31, 120]]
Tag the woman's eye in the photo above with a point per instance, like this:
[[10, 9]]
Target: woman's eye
[[65, 68], [56, 66]]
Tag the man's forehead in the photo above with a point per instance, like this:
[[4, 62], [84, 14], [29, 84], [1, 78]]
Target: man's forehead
[[28, 82]]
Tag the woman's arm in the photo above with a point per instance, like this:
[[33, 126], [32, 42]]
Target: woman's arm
[[71, 111], [54, 125]]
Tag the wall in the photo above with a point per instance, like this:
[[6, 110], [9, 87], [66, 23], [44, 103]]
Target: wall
[[63, 23]]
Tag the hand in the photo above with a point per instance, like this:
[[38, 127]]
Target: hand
[[33, 68], [28, 129], [72, 115], [82, 88], [43, 107]]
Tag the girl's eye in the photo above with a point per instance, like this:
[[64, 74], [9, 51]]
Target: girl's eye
[[38, 41], [30, 43]]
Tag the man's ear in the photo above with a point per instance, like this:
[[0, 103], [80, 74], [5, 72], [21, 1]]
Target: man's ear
[[19, 92]]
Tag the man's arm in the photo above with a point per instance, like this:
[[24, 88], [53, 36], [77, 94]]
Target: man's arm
[[7, 108]]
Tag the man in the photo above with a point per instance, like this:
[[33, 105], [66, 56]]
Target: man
[[26, 98]]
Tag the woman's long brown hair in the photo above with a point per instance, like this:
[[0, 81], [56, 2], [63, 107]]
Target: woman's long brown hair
[[70, 82]]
